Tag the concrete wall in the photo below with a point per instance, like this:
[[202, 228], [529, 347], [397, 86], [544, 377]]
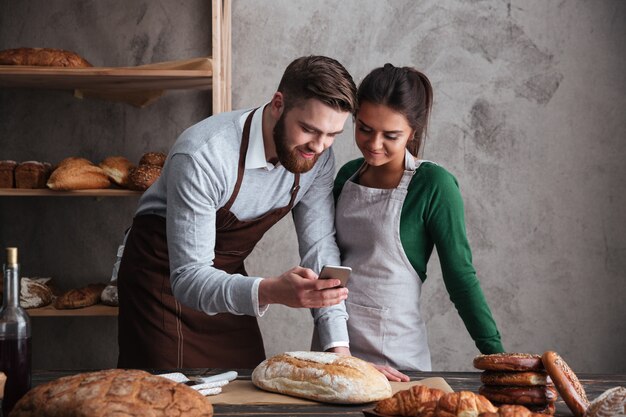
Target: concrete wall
[[528, 115]]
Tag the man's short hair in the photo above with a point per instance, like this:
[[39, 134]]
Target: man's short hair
[[319, 77]]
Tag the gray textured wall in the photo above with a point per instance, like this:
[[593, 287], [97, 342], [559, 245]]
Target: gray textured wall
[[528, 114]]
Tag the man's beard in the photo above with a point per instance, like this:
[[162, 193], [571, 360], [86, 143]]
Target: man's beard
[[291, 160]]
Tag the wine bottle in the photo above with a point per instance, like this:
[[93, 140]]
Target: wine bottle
[[15, 337]]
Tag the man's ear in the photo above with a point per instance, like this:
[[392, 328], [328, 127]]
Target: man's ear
[[277, 105]]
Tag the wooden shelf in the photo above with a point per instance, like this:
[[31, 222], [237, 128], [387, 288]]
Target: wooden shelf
[[95, 310], [44, 192]]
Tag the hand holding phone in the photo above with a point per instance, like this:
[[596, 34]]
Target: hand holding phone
[[342, 273]]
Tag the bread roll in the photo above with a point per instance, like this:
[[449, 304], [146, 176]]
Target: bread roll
[[48, 57], [118, 169], [509, 362], [7, 174], [153, 158], [419, 400], [322, 376], [78, 174], [114, 392], [80, 297], [611, 403], [566, 382], [142, 177]]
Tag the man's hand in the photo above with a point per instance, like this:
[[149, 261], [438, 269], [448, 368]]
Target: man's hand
[[392, 374], [299, 287], [340, 350]]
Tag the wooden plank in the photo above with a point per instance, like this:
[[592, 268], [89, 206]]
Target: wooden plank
[[95, 310], [44, 192], [216, 52]]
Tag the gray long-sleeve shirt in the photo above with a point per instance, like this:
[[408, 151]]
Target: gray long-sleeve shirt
[[199, 177]]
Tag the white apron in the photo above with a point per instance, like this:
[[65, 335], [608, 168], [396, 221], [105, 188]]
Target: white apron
[[385, 324]]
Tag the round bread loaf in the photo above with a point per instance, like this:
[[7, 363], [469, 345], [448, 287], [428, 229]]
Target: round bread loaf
[[118, 169], [539, 395], [48, 57], [566, 382], [508, 362], [322, 376], [517, 378], [611, 403], [34, 293], [143, 177], [114, 392], [153, 158]]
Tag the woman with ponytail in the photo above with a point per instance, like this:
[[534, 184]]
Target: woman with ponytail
[[391, 210]]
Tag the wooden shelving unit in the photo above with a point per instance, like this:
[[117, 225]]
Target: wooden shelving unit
[[139, 86]]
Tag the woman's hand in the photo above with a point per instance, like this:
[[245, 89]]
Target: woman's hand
[[392, 374]]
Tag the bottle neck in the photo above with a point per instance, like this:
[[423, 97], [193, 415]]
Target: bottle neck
[[11, 296]]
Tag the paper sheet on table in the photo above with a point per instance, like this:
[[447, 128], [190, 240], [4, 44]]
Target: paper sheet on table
[[244, 392]]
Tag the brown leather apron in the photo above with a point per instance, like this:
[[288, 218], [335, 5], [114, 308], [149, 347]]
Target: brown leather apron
[[157, 331]]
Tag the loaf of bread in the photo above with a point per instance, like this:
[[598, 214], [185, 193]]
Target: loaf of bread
[[143, 177], [32, 174], [80, 297], [34, 293], [419, 400], [118, 169], [611, 403], [153, 158], [322, 376], [78, 174], [109, 295], [7, 174], [114, 392], [509, 362], [48, 57]]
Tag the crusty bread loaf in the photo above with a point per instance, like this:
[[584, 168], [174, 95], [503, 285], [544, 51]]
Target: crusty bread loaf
[[34, 292], [109, 295], [419, 400], [113, 392], [78, 174], [142, 177], [509, 362], [48, 57], [118, 169], [518, 378], [322, 376], [611, 403], [80, 297], [7, 174], [32, 174]]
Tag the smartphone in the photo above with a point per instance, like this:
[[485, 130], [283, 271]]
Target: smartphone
[[342, 273]]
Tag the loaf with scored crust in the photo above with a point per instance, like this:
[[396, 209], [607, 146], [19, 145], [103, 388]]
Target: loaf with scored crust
[[322, 376]]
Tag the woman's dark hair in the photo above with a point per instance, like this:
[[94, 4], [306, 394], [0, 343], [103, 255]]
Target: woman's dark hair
[[318, 77], [405, 90]]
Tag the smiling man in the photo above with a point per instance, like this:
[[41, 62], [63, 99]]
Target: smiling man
[[185, 298]]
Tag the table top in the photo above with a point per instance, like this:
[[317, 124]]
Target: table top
[[594, 384]]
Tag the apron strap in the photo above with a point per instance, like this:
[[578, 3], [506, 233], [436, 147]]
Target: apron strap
[[294, 190], [245, 140]]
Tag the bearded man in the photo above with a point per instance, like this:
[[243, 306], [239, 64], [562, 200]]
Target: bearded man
[[185, 298]]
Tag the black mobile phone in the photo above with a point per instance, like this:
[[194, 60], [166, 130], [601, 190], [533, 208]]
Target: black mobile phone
[[342, 273]]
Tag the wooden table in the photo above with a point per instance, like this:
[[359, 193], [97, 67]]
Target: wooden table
[[594, 384]]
